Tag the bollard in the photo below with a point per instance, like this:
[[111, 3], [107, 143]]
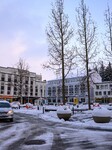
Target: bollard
[[73, 109], [37, 107], [43, 109]]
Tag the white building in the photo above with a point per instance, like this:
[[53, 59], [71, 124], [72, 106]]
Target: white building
[[103, 92], [34, 84], [75, 87]]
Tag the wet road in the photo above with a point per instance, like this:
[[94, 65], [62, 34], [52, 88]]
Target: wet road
[[32, 133]]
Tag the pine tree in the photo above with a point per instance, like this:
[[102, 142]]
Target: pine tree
[[108, 73]]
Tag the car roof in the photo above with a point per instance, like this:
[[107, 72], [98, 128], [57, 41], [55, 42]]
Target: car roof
[[3, 101]]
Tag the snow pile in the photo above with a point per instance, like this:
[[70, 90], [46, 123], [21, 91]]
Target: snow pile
[[63, 110], [101, 112]]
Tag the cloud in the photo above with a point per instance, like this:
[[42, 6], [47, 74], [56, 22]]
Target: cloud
[[35, 65], [18, 45], [11, 49]]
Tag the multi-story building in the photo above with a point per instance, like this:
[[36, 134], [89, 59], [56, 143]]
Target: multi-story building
[[103, 92], [75, 87], [72, 90], [34, 87]]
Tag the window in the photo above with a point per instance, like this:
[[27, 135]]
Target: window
[[106, 86], [4, 105], [2, 88], [3, 77], [59, 101], [15, 93], [97, 86], [76, 89], [15, 80], [66, 90], [71, 90], [82, 88], [9, 89], [108, 92], [100, 93], [49, 91], [9, 78], [54, 91], [26, 82], [36, 90], [96, 93], [31, 82], [26, 93], [54, 100], [102, 87], [58, 90], [104, 93]]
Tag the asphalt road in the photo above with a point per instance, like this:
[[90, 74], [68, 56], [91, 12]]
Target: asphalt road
[[32, 133]]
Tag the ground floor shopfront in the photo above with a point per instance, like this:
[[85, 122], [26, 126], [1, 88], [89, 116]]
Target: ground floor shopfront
[[104, 100], [22, 101]]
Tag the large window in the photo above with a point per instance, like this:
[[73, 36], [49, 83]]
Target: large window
[[76, 89], [9, 89], [3, 77], [97, 86], [71, 90], [49, 91], [82, 88], [54, 91], [36, 90], [9, 78], [96, 93], [66, 90], [2, 88], [104, 93], [100, 93]]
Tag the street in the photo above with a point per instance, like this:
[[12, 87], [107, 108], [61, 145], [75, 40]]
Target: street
[[29, 132]]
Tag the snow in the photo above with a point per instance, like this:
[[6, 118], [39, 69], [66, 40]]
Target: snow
[[79, 120], [63, 110], [101, 112], [84, 118]]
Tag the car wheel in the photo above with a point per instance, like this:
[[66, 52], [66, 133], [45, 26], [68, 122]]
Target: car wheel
[[11, 120]]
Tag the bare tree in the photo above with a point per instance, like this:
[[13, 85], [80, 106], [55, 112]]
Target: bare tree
[[86, 32], [108, 34], [59, 34], [21, 78]]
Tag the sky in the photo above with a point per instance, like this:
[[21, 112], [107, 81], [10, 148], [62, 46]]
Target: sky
[[81, 128], [22, 30]]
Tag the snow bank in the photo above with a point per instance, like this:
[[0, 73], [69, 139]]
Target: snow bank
[[101, 112]]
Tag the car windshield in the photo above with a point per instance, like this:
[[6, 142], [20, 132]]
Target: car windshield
[[4, 105]]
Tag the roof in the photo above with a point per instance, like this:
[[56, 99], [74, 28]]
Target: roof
[[3, 101]]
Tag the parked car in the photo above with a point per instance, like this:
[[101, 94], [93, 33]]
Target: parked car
[[6, 111], [29, 105], [96, 104], [15, 105]]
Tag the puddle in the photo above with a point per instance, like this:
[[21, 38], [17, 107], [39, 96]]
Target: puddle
[[35, 142]]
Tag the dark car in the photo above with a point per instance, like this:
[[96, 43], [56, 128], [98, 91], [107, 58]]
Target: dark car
[[6, 111]]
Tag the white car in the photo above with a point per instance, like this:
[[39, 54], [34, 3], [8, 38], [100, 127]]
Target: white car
[[15, 104], [6, 111]]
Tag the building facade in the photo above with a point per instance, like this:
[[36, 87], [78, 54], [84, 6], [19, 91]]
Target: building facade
[[75, 88], [103, 92], [34, 87]]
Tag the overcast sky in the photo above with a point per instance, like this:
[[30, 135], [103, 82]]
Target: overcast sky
[[22, 30]]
